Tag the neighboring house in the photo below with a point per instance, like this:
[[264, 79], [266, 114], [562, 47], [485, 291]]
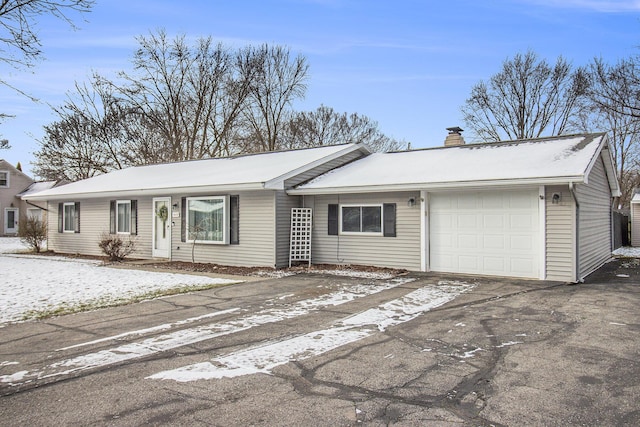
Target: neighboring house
[[236, 209], [533, 208], [12, 182]]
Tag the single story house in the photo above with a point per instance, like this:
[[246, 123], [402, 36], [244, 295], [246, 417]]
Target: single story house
[[536, 209], [235, 209]]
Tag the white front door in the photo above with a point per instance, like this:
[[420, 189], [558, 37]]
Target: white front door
[[10, 220], [161, 227], [485, 232]]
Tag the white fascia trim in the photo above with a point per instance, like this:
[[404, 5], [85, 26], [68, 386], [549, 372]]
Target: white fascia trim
[[438, 186], [278, 182], [190, 190]]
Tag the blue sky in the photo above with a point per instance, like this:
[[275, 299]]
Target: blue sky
[[407, 64]]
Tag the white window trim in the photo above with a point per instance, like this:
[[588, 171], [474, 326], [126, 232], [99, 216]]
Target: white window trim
[[123, 202], [362, 233], [225, 220], [8, 177], [64, 217]]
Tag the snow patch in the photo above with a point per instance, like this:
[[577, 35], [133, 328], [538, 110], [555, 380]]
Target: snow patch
[[627, 251], [263, 359]]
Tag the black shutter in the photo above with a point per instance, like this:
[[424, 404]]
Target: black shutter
[[112, 217], [332, 223], [183, 212], [234, 220], [77, 224], [134, 217], [60, 217], [389, 215]]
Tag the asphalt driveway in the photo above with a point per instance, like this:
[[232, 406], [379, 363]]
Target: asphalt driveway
[[503, 352]]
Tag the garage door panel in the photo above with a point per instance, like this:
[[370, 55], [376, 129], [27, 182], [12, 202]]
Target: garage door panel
[[493, 233], [493, 242], [493, 221]]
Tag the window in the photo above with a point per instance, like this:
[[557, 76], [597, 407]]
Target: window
[[207, 219], [4, 179], [361, 219], [123, 217], [372, 219], [69, 217]]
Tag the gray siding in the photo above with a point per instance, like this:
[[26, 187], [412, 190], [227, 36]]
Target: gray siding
[[319, 170], [594, 216], [560, 235], [284, 203], [635, 224], [94, 220], [257, 233], [402, 251]]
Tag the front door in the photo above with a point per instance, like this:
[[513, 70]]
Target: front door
[[10, 220], [161, 227]]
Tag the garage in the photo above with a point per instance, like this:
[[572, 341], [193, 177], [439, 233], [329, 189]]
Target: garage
[[485, 232]]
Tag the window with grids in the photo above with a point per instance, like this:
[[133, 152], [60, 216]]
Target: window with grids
[[4, 179]]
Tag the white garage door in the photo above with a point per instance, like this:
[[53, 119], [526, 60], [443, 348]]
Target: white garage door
[[495, 233]]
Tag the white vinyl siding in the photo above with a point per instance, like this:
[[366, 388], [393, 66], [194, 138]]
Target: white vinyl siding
[[94, 220], [402, 251], [560, 234], [635, 224], [594, 231], [486, 232]]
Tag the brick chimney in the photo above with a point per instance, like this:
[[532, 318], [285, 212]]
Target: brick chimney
[[454, 138]]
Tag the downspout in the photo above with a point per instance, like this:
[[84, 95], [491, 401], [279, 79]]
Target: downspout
[[577, 254]]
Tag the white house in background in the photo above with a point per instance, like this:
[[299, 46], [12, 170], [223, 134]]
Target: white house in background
[[536, 209], [236, 209], [635, 220]]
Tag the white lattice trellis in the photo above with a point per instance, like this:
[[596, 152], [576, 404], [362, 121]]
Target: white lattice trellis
[[300, 242]]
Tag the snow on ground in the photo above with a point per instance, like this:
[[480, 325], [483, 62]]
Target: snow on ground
[[275, 311], [627, 251], [11, 245], [31, 284]]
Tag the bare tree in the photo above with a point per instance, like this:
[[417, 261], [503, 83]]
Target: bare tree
[[20, 45], [191, 96], [325, 126], [277, 82], [526, 99], [614, 96]]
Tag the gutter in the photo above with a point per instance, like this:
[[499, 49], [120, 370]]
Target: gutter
[[572, 189]]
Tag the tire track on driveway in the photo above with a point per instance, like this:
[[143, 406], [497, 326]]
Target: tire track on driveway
[[93, 361]]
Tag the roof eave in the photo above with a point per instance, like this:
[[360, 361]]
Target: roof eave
[[277, 183], [165, 191], [439, 186]]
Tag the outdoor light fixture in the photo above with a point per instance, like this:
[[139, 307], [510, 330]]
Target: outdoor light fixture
[[555, 199], [411, 202], [174, 207]]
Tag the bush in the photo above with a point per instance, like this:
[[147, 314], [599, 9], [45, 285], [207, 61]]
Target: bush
[[32, 232], [115, 247]]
